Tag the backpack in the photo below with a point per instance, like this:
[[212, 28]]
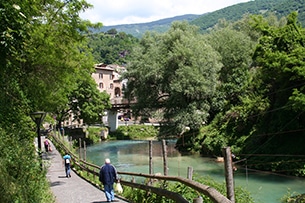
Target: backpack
[[67, 161], [46, 142]]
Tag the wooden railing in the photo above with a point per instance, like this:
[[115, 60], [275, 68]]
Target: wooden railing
[[93, 169]]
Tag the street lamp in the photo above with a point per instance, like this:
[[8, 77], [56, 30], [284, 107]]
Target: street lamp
[[38, 117]]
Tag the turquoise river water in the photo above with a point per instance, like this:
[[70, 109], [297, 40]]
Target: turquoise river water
[[132, 156]]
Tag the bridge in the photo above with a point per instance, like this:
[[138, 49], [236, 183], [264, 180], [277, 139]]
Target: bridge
[[113, 113]]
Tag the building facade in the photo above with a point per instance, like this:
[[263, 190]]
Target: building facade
[[108, 79]]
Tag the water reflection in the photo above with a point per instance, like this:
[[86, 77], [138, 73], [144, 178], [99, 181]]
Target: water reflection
[[133, 156]]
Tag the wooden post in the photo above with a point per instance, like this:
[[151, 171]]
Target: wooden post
[[85, 151], [198, 200], [164, 148], [150, 157], [229, 173], [80, 147], [70, 142], [150, 160], [190, 173]]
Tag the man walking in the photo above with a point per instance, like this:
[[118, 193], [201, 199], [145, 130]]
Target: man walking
[[108, 175], [67, 163]]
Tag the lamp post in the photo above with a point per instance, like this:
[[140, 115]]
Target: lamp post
[[38, 117]]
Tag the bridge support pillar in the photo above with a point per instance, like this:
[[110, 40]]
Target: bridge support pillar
[[113, 120]]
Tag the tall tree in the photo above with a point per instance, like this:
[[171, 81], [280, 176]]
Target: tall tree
[[267, 125], [41, 55], [280, 56], [86, 103], [175, 72], [236, 49]]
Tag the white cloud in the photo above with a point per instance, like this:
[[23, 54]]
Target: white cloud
[[114, 12]]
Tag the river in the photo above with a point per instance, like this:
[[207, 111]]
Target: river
[[132, 156]]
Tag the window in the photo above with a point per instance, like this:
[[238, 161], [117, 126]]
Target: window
[[100, 75], [101, 85], [111, 86], [117, 92], [111, 77]]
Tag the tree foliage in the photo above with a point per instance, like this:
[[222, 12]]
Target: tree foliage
[[266, 124], [240, 85], [111, 47], [235, 46], [280, 56], [175, 72], [281, 8], [87, 102], [43, 54]]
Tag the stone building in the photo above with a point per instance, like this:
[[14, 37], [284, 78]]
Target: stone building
[[108, 79]]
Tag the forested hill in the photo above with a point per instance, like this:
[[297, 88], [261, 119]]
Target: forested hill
[[137, 30], [232, 13]]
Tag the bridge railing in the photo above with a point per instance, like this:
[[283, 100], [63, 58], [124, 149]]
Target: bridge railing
[[92, 169]]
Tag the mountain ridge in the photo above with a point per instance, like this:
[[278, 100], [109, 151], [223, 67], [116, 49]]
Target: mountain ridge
[[207, 20], [138, 29]]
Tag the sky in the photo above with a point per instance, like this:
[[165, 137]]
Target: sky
[[116, 12]]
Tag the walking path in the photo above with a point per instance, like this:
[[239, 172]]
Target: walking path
[[74, 189]]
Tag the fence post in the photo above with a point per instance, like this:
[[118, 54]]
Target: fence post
[[190, 173], [70, 142], [85, 151], [133, 181], [198, 200], [150, 159], [80, 147], [229, 173], [164, 148]]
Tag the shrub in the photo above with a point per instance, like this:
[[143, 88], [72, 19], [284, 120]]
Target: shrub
[[21, 176], [135, 132]]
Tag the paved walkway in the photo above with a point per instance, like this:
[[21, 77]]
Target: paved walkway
[[70, 190]]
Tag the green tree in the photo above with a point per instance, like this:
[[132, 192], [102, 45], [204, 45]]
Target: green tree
[[55, 55], [86, 102], [41, 54], [235, 46], [268, 120], [111, 48], [175, 72], [280, 56], [236, 49]]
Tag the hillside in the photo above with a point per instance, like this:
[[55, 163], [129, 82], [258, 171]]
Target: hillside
[[137, 30], [232, 13]]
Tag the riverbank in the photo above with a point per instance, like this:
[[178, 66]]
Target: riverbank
[[132, 156]]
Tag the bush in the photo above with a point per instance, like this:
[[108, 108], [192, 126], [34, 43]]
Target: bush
[[94, 134], [21, 176], [135, 132]]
